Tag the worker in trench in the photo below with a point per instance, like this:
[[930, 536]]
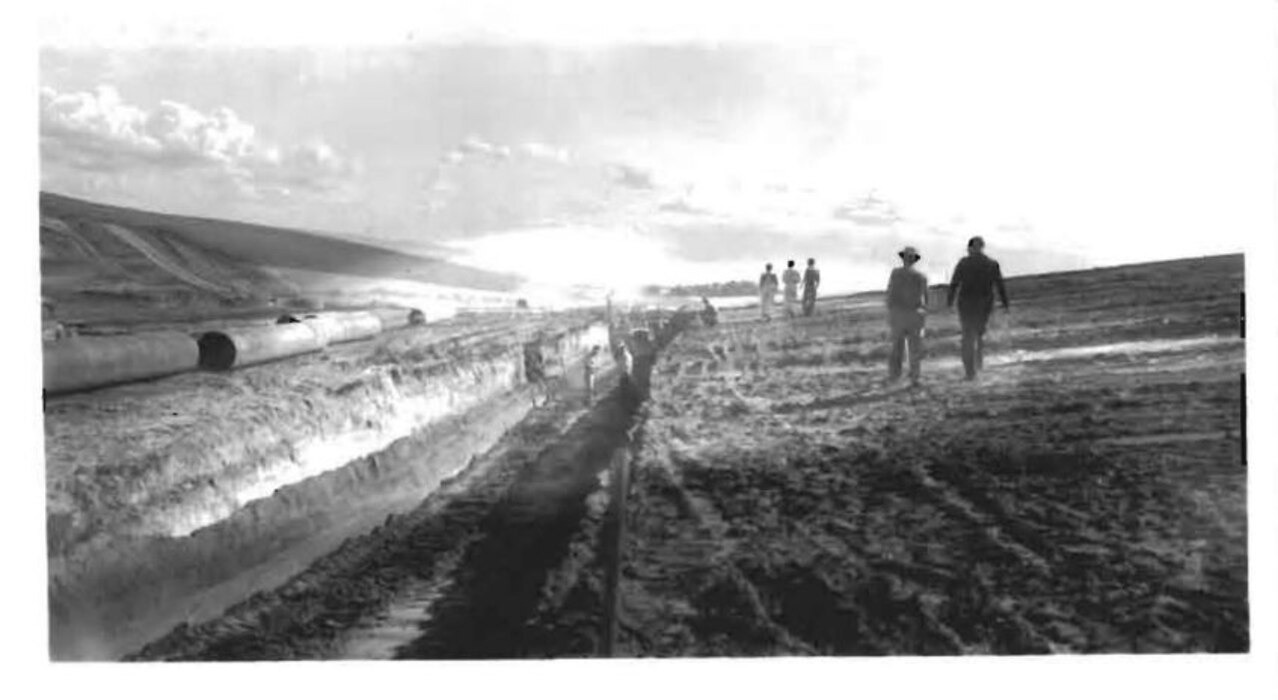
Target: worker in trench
[[907, 310], [588, 372], [645, 354], [790, 283], [767, 291], [976, 278], [535, 369], [811, 280], [709, 314], [626, 362]]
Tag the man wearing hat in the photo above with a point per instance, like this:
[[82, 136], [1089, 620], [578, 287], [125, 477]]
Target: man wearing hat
[[907, 307], [976, 278]]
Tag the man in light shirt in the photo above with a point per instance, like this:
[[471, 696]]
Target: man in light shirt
[[811, 280], [767, 291], [790, 280], [907, 309]]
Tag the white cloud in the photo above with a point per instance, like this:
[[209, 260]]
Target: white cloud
[[98, 131], [540, 151], [476, 149]]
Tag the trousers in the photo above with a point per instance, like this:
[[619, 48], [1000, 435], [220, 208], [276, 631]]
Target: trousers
[[906, 330], [766, 300], [973, 320]]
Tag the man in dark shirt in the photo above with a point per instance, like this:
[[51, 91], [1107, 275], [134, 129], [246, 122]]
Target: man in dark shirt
[[907, 307], [709, 315], [535, 368], [976, 278]]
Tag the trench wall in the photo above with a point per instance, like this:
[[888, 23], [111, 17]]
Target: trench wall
[[184, 532]]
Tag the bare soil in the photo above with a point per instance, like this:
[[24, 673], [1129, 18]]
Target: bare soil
[[1086, 495]]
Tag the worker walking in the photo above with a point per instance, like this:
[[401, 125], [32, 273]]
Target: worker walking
[[790, 280], [976, 278], [767, 291], [907, 309], [811, 280]]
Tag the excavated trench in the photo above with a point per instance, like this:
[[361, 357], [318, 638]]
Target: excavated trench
[[489, 566], [150, 584], [111, 595]]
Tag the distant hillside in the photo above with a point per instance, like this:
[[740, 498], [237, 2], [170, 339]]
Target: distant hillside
[[736, 288], [101, 261]]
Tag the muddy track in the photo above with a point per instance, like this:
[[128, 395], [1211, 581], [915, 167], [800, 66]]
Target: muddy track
[[487, 565], [521, 541]]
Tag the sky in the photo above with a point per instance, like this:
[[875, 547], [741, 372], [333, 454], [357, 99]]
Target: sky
[[627, 146]]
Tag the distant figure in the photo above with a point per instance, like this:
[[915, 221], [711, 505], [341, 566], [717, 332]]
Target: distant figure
[[709, 314], [588, 370], [790, 278], [626, 361], [907, 309], [976, 278], [811, 280], [535, 368], [645, 354], [767, 291]]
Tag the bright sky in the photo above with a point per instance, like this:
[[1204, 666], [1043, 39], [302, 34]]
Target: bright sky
[[676, 142]]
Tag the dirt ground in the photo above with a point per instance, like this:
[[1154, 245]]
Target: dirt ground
[[1086, 494]]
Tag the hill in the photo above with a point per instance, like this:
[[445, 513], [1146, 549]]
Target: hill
[[101, 262]]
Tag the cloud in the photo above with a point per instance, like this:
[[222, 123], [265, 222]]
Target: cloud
[[680, 205], [540, 151], [632, 177], [98, 131], [476, 149], [868, 211]]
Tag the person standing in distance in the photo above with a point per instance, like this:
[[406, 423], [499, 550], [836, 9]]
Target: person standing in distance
[[907, 310], [975, 280], [767, 291], [811, 280], [790, 278]]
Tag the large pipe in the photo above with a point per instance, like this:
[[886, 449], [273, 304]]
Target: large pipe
[[399, 318], [341, 328], [86, 362], [237, 347]]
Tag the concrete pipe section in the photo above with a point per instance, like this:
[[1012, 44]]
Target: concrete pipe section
[[238, 347], [77, 364], [399, 318], [342, 328]]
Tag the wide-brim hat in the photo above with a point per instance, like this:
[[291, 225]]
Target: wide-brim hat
[[910, 251]]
